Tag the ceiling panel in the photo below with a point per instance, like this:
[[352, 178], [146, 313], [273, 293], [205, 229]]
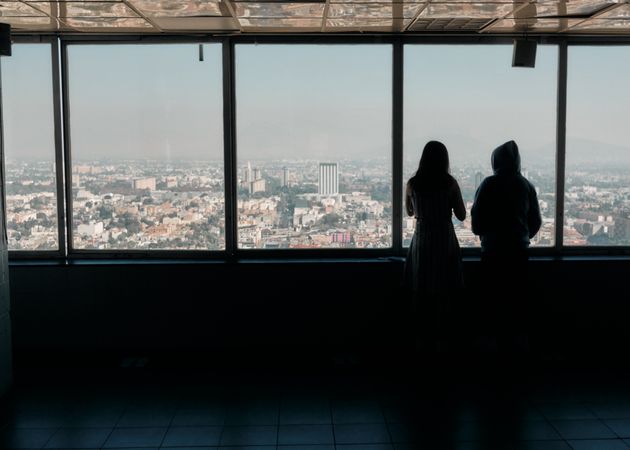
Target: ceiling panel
[[532, 25], [363, 23], [290, 24], [620, 12], [85, 9], [25, 22], [279, 10], [467, 10], [373, 10], [177, 8], [603, 26], [216, 24], [448, 24], [108, 23], [485, 16], [15, 9], [571, 8]]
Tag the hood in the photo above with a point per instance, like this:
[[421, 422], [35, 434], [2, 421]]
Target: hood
[[506, 159]]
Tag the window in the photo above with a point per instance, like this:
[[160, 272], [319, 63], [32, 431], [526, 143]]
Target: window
[[146, 128], [28, 115], [471, 99], [597, 197], [314, 146]]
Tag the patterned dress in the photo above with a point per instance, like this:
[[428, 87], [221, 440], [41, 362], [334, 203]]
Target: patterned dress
[[434, 262]]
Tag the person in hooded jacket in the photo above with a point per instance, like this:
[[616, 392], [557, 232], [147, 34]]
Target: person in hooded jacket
[[505, 215]]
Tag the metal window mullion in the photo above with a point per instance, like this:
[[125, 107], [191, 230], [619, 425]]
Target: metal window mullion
[[229, 150], [59, 150], [561, 130], [65, 108], [397, 144]]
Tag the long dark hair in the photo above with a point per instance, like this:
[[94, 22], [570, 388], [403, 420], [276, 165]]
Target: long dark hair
[[434, 167]]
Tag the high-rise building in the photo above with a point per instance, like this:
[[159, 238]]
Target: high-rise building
[[328, 179], [254, 182], [285, 176], [144, 183]]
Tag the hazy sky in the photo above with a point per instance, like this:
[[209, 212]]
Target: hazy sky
[[470, 98], [322, 102]]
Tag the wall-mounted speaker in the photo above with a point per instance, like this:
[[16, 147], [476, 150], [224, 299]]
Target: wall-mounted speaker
[[524, 53], [5, 39]]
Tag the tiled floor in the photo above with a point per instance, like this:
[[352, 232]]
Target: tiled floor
[[342, 412]]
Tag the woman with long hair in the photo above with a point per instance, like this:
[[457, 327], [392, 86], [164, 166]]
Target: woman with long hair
[[434, 265]]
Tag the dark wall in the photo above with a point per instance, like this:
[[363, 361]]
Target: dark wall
[[578, 305]]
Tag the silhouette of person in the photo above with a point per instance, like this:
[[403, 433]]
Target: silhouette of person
[[433, 267], [505, 215]]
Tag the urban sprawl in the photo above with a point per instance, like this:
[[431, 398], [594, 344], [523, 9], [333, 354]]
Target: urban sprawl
[[145, 205]]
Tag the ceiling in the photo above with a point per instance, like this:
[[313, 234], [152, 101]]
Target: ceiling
[[603, 17]]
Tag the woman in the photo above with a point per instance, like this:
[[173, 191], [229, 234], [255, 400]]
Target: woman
[[434, 265]]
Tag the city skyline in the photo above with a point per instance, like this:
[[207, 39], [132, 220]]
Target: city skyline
[[32, 203]]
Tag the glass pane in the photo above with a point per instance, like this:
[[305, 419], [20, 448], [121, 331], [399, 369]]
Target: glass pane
[[147, 147], [597, 199], [472, 100], [314, 146], [29, 146]]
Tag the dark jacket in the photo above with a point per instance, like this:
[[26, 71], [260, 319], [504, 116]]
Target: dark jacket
[[505, 213]]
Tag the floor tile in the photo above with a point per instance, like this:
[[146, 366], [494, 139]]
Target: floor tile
[[305, 434], [146, 417], [249, 435], [306, 447], [252, 414], [135, 437], [79, 438], [346, 412], [365, 447], [190, 448], [406, 432], [25, 437], [566, 411], [583, 429], [305, 414], [536, 430], [192, 436], [542, 445], [361, 434], [199, 417], [249, 447], [621, 427], [602, 444], [92, 418], [611, 410]]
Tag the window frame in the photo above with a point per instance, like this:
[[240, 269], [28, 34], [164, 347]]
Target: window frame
[[231, 253], [396, 153], [76, 253], [58, 148]]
